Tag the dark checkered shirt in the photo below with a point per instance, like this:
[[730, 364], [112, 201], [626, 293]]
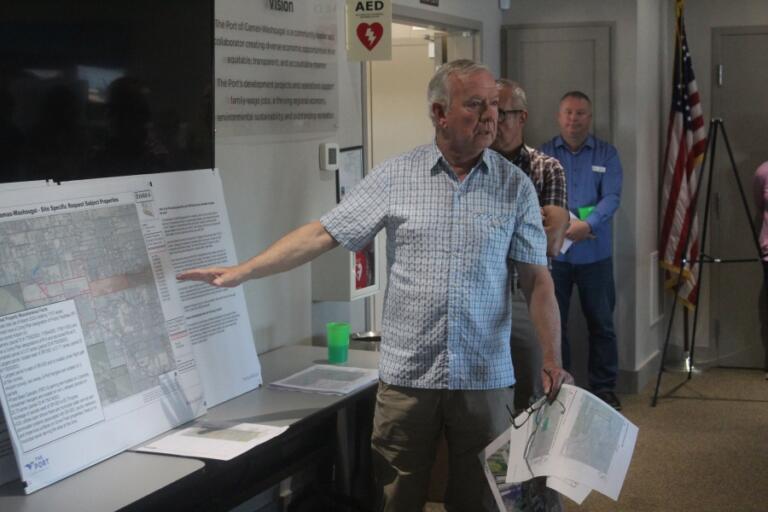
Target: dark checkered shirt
[[547, 175]]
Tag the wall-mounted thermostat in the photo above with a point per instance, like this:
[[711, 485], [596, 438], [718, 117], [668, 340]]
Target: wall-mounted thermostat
[[329, 156]]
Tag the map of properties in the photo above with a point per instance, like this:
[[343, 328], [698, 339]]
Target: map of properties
[[98, 258]]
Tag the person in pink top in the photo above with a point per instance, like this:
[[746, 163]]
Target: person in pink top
[[760, 191]]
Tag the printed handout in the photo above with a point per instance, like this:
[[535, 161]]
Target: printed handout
[[223, 441], [578, 442], [328, 379]]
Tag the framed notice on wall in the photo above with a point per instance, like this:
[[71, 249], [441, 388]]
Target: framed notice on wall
[[351, 170]]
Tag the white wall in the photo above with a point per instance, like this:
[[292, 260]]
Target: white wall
[[650, 125], [273, 188]]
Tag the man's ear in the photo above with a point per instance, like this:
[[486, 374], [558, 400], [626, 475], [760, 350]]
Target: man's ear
[[438, 113], [523, 118]]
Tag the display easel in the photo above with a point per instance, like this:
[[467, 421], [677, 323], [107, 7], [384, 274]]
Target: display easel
[[715, 125]]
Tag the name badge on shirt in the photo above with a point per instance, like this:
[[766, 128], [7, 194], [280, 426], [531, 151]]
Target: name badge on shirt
[[598, 168]]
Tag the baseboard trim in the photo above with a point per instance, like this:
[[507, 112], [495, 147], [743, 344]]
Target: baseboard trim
[[634, 381]]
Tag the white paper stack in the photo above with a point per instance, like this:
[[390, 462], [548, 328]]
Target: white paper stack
[[578, 442], [223, 441], [328, 379]]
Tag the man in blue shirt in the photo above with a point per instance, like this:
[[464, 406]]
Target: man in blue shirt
[[456, 215], [593, 177]]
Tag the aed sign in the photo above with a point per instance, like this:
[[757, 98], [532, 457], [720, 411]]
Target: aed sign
[[369, 30]]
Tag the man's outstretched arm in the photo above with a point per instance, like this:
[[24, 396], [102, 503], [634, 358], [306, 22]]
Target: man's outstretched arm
[[294, 249]]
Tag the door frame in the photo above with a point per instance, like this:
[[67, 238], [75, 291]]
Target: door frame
[[409, 16], [440, 21]]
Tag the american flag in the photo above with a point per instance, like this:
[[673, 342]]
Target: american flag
[[686, 144]]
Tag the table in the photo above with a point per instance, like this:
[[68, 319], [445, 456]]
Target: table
[[328, 431]]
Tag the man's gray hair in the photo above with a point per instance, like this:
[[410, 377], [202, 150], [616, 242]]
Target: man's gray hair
[[438, 90], [518, 94]]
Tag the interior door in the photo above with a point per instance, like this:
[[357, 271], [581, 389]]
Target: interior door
[[738, 97], [549, 61]]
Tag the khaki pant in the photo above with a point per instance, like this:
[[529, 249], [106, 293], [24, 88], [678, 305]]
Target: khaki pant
[[406, 428]]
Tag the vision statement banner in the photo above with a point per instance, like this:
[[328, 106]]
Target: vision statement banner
[[276, 67]]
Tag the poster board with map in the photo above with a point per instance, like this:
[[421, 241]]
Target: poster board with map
[[100, 347]]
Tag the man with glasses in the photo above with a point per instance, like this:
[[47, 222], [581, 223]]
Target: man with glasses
[[548, 179]]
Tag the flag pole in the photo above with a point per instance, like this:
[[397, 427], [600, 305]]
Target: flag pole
[[683, 263], [685, 147], [715, 125], [686, 340]]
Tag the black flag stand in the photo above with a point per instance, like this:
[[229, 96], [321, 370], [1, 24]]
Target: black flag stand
[[715, 125]]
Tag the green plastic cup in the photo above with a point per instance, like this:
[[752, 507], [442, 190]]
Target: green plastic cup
[[337, 334]]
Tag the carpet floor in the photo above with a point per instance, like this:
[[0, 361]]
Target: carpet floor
[[704, 447]]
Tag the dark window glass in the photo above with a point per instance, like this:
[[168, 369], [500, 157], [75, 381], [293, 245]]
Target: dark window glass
[[104, 88]]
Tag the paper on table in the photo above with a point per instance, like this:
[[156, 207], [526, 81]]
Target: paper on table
[[213, 441], [328, 379]]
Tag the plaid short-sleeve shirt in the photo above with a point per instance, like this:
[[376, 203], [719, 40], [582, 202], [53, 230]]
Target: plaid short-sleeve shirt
[[546, 173], [447, 315]]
